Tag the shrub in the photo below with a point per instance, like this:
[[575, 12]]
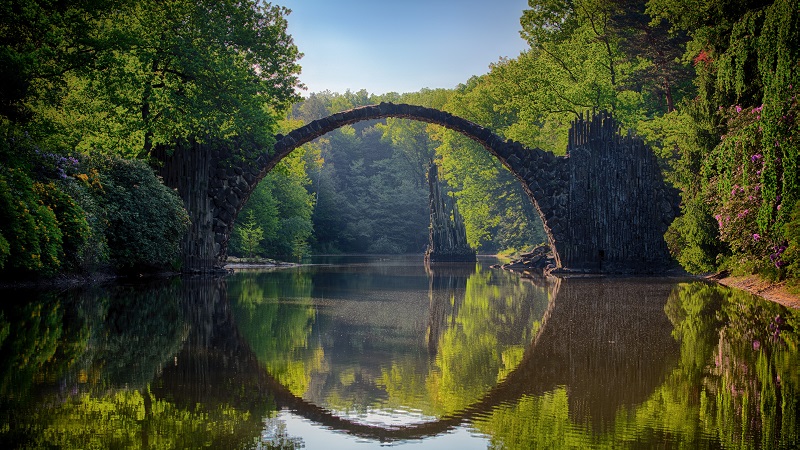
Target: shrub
[[86, 191], [789, 257], [29, 228], [693, 238], [146, 219], [71, 220]]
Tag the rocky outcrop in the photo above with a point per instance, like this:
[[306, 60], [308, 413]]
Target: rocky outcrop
[[447, 238], [536, 263]]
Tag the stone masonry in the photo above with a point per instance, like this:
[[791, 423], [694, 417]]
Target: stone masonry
[[605, 206]]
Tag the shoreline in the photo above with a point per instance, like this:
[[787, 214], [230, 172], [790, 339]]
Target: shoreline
[[774, 292]]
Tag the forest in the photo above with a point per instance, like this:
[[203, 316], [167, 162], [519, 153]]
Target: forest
[[91, 89]]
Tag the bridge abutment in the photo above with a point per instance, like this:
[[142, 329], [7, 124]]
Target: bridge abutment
[[618, 205]]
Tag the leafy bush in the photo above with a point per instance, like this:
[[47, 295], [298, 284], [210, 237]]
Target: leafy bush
[[693, 239], [86, 191], [789, 257], [71, 219], [146, 219], [30, 230]]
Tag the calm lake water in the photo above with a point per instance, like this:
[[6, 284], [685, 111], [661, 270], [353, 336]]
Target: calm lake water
[[371, 352]]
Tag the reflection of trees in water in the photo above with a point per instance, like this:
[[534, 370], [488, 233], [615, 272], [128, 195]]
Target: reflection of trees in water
[[142, 330], [274, 313], [80, 371], [751, 358], [718, 390], [98, 338], [480, 328], [477, 328], [33, 343], [446, 288], [607, 369]]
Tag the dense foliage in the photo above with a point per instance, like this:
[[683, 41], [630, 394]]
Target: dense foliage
[[145, 219], [84, 79], [733, 148], [66, 214], [280, 210]]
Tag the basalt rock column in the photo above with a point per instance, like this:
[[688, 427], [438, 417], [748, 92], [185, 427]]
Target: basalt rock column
[[447, 238]]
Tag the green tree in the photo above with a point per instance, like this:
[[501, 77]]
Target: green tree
[[281, 206], [182, 70], [250, 234]]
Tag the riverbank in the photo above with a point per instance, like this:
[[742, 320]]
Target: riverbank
[[775, 292], [256, 263]]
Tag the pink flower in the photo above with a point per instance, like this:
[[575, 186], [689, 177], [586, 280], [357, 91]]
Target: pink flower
[[738, 109], [756, 237]]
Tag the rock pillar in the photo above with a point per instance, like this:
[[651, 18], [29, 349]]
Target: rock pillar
[[447, 238]]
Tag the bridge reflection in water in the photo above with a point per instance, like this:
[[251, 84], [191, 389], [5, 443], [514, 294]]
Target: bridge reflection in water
[[609, 345], [453, 353]]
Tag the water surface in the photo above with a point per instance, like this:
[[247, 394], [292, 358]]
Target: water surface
[[367, 352]]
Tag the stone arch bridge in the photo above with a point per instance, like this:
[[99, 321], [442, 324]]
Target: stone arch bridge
[[605, 206]]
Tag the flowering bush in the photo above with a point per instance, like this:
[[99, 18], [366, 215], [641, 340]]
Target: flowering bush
[[736, 219], [71, 220], [30, 233]]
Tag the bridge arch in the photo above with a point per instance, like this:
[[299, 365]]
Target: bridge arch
[[604, 206], [534, 168]]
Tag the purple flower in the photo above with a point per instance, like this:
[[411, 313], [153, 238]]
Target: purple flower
[[758, 108], [756, 157], [756, 345], [756, 237], [738, 109]]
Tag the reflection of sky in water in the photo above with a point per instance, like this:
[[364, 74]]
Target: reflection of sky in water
[[387, 417], [392, 347], [315, 437]]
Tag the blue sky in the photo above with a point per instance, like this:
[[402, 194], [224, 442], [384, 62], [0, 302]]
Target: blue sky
[[401, 45]]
